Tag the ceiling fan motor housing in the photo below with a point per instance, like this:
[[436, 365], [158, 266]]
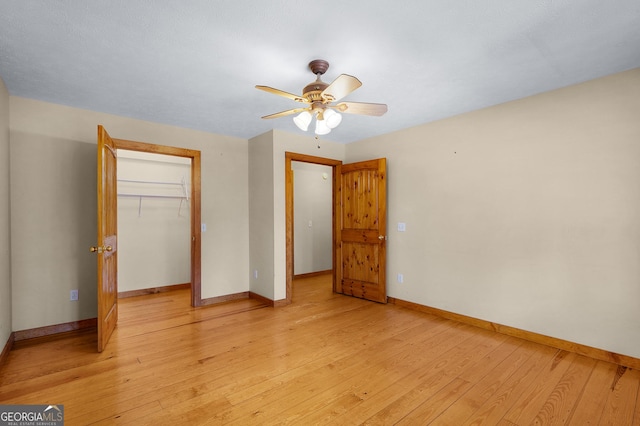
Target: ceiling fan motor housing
[[312, 91]]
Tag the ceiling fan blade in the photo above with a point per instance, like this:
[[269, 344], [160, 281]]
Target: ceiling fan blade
[[340, 87], [361, 108], [279, 92], [285, 113]]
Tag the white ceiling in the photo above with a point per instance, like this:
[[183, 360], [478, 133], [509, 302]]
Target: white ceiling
[[194, 63]]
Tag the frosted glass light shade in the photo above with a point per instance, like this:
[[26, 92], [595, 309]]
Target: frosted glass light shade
[[332, 118], [303, 120], [322, 128]]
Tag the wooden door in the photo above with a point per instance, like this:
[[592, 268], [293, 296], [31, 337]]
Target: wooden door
[[107, 248], [361, 230]]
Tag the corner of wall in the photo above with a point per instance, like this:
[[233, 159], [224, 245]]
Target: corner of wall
[[5, 224], [261, 215]]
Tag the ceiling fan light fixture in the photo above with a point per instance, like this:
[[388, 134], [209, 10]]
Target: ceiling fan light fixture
[[319, 98], [322, 128], [332, 118], [303, 120]]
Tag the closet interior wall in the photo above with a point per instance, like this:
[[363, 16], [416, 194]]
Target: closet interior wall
[[313, 207], [154, 223]]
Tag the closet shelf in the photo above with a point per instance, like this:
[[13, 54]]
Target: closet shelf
[[183, 197]]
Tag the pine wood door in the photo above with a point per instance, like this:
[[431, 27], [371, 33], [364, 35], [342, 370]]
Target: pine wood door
[[361, 230], [107, 249]]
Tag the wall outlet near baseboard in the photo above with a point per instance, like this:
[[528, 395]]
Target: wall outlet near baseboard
[[73, 295], [400, 278]]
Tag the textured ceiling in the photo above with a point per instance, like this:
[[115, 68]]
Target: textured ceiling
[[194, 63]]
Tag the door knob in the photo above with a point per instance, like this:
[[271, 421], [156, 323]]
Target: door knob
[[100, 249], [382, 237]]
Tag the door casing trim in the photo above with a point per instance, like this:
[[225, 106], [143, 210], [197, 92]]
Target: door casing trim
[[289, 204], [196, 237]]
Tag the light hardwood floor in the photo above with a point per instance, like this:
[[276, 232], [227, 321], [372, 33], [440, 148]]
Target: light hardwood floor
[[325, 359]]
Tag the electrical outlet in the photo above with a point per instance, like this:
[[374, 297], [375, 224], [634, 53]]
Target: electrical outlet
[[73, 295], [255, 274], [400, 278]]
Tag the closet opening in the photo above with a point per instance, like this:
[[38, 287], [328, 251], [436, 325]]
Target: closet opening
[[160, 196], [313, 219], [305, 166], [154, 223]]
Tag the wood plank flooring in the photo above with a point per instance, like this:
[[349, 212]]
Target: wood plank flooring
[[324, 359]]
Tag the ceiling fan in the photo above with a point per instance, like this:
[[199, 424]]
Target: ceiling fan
[[320, 97]]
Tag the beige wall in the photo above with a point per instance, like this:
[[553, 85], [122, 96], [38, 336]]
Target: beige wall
[[53, 207], [526, 214], [261, 215], [53, 202], [5, 230]]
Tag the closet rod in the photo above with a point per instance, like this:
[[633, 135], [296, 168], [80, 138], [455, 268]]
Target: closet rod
[[146, 181], [177, 197]]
